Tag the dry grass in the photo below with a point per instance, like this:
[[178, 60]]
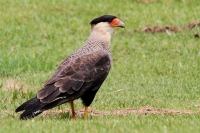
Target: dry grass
[[11, 84]]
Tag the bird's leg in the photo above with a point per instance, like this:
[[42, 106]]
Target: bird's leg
[[86, 111], [73, 112]]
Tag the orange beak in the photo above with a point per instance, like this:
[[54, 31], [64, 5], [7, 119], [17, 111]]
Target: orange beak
[[117, 23]]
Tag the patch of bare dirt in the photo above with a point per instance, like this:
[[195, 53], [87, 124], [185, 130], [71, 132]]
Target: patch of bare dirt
[[192, 25], [155, 29], [170, 29], [150, 110], [123, 112]]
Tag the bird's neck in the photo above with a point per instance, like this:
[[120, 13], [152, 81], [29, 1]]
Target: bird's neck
[[100, 39], [96, 41]]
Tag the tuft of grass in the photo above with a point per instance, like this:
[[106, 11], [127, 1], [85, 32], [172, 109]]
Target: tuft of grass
[[157, 70]]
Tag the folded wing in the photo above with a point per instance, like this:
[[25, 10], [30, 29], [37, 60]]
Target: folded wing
[[74, 76]]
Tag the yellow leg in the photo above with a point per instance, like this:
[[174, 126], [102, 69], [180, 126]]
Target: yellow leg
[[73, 112], [86, 111]]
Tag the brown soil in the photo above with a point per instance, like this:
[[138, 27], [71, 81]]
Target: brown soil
[[150, 110], [192, 25], [121, 112], [124, 112], [170, 29], [156, 29]]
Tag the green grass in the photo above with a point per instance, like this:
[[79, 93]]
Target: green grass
[[154, 70], [132, 123]]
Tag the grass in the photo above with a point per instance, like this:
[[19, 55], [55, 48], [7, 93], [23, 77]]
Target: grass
[[154, 70], [136, 123]]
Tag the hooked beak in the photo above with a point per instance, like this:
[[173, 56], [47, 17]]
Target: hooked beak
[[121, 24]]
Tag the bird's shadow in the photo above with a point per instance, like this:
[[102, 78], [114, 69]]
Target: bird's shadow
[[64, 116]]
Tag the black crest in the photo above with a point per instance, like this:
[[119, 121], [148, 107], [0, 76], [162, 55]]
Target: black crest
[[104, 18]]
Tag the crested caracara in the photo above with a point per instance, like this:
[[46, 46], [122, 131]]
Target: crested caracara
[[80, 75]]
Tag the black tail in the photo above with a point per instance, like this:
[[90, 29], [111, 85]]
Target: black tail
[[32, 107]]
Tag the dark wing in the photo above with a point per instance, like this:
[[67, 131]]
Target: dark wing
[[74, 77]]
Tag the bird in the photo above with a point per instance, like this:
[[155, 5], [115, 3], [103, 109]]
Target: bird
[[80, 75]]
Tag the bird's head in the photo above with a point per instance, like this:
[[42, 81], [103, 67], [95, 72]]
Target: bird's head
[[106, 23]]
